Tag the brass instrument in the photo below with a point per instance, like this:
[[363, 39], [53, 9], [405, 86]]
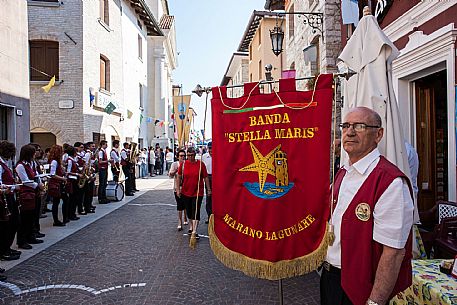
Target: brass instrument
[[85, 175], [133, 152]]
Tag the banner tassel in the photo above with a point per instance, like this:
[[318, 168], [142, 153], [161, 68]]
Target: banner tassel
[[193, 241], [264, 269]]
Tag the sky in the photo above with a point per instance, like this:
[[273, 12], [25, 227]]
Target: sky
[[208, 32]]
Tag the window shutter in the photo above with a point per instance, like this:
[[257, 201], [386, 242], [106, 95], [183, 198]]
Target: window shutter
[[37, 60], [102, 73], [52, 59]]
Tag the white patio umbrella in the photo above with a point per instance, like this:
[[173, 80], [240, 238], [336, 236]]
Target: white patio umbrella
[[369, 52]]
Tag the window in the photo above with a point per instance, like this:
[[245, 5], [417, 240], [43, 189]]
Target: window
[[260, 70], [104, 73], [44, 57], [291, 22], [311, 56], [140, 87], [140, 47], [97, 137], [3, 123], [104, 11]]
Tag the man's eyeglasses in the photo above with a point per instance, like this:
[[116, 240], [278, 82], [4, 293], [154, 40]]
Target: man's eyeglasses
[[182, 156], [358, 127]]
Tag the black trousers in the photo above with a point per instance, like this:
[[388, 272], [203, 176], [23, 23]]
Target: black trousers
[[14, 222], [65, 206], [330, 289], [115, 173], [36, 219], [88, 195], [25, 232], [103, 182], [80, 198], [128, 179]]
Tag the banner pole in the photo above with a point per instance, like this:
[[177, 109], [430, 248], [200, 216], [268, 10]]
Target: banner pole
[[281, 300]]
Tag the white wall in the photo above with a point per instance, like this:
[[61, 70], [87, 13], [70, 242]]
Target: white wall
[[135, 72]]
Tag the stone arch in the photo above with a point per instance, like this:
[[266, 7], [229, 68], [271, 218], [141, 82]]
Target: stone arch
[[44, 37], [61, 136]]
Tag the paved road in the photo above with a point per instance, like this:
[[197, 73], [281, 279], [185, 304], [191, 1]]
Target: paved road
[[135, 256]]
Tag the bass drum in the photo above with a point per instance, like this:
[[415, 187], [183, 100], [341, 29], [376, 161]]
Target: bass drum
[[114, 191]]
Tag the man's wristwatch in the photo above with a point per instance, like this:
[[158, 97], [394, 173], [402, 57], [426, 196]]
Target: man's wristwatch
[[370, 302]]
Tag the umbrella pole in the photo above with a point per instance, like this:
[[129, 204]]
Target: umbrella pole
[[280, 293]]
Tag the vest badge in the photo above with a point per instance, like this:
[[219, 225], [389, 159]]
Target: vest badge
[[362, 211]]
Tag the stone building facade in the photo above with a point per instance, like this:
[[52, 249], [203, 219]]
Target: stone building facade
[[237, 73], [101, 54], [14, 84]]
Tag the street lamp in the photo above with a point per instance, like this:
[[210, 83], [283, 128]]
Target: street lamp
[[313, 20], [277, 39]]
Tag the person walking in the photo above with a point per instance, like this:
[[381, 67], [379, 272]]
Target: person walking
[[56, 184], [193, 177], [173, 174], [151, 161], [169, 158], [207, 158], [370, 259]]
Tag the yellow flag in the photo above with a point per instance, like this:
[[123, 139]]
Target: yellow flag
[[51, 84]]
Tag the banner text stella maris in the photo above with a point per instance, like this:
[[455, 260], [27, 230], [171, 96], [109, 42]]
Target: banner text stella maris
[[276, 133]]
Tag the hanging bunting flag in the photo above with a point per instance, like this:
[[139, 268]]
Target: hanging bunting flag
[[129, 114], [271, 167], [141, 118], [51, 84], [148, 119], [161, 124], [156, 121], [110, 108]]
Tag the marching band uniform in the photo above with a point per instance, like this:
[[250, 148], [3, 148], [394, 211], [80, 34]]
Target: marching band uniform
[[115, 160], [71, 188], [125, 163], [102, 175], [38, 200], [12, 225], [27, 197], [89, 187], [80, 191], [57, 170]]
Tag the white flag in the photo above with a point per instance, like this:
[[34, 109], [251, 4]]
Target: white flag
[[350, 12]]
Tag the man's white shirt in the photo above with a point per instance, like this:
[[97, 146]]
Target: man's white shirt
[[393, 213]]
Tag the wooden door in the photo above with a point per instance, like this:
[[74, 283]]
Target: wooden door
[[425, 131]]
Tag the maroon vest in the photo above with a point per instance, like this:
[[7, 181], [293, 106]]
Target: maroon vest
[[59, 170], [124, 162], [7, 175], [80, 160], [358, 267], [30, 174], [105, 157], [74, 166]]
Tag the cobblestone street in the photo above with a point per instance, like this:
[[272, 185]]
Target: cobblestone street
[[135, 255]]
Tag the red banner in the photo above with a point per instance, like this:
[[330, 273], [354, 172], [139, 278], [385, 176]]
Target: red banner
[[271, 165]]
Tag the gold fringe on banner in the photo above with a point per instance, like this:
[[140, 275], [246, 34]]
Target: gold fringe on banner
[[264, 269]]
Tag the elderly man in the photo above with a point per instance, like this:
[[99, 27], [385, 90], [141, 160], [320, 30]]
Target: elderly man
[[370, 260]]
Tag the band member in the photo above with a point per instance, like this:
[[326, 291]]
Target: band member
[[7, 188], [27, 196], [115, 160], [126, 164], [56, 184], [39, 199], [102, 172], [89, 159], [81, 169], [72, 183]]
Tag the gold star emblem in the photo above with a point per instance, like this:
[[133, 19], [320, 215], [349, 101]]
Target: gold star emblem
[[262, 165]]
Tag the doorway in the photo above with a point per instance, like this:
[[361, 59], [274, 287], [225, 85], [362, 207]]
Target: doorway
[[45, 139], [432, 139]]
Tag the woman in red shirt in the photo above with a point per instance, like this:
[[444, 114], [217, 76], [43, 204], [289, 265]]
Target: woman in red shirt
[[191, 192]]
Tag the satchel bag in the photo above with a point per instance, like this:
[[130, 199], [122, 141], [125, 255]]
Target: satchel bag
[[54, 188], [27, 199]]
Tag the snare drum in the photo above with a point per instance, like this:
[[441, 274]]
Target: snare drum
[[114, 191]]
